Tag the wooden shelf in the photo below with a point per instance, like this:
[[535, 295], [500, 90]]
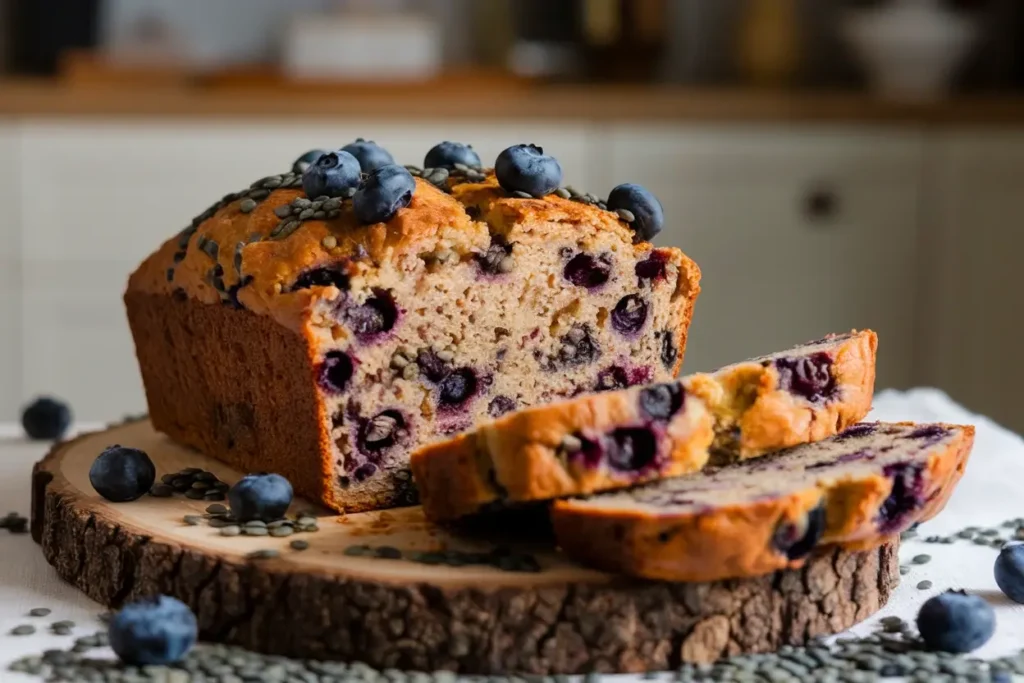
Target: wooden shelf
[[474, 99]]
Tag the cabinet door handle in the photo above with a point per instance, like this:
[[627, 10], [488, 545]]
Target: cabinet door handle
[[821, 204]]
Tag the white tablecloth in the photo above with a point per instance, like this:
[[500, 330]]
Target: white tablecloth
[[990, 492]]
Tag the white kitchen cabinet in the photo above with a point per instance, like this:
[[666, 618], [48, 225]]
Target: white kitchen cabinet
[[99, 197], [75, 338], [972, 321], [797, 232], [120, 189], [10, 274]]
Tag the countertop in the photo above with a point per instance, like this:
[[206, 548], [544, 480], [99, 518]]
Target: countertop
[[989, 493], [30, 99]]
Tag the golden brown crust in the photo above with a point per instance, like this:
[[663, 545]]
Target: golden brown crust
[[734, 540], [517, 458], [233, 385], [433, 218]]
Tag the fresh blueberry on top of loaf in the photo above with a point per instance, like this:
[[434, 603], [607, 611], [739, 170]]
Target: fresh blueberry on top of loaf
[[647, 212], [46, 419], [525, 168], [382, 192], [260, 496], [303, 162], [370, 155], [447, 154], [331, 175], [122, 474]]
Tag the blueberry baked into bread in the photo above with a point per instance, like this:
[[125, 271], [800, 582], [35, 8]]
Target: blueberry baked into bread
[[324, 322], [857, 489], [620, 438]]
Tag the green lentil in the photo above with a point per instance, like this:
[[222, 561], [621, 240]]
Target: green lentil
[[193, 520], [265, 554], [39, 612], [921, 559], [924, 585], [23, 630], [299, 544], [161, 491]]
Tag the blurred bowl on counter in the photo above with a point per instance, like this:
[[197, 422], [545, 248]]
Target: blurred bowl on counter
[[909, 49]]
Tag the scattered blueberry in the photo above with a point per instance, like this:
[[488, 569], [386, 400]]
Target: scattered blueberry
[[458, 386], [155, 631], [447, 154], [807, 376], [369, 154], [382, 192], [796, 541], [661, 401], [334, 372], [630, 314], [956, 622], [378, 314], [122, 474], [331, 175], [632, 449], [321, 277], [645, 207], [1009, 571], [500, 405], [260, 496], [583, 270], [46, 419], [304, 162], [525, 168]]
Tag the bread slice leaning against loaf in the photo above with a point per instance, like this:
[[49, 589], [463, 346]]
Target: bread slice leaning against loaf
[[620, 438]]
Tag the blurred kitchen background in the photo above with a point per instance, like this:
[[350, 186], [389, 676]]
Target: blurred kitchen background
[[830, 164]]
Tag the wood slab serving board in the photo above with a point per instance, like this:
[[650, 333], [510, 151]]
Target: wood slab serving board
[[555, 617]]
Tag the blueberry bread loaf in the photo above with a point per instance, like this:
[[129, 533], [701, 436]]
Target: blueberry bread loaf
[[856, 489], [326, 321], [620, 438]]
